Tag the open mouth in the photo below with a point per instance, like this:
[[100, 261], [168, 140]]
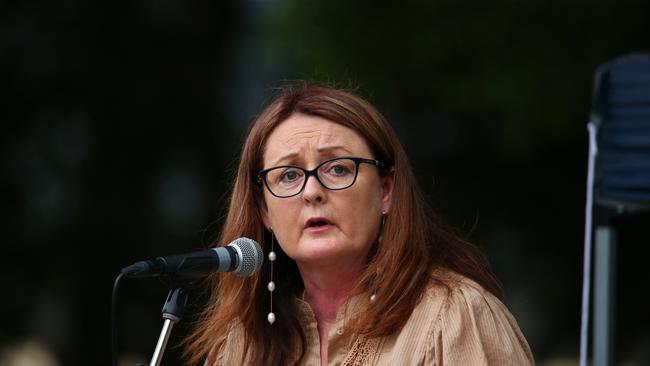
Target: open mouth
[[316, 222]]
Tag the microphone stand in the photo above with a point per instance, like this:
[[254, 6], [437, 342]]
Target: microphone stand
[[172, 312]]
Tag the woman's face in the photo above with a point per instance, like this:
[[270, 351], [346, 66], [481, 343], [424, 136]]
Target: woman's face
[[321, 226]]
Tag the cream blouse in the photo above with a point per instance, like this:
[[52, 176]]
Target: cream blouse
[[464, 326]]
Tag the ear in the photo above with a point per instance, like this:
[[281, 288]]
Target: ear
[[387, 191]]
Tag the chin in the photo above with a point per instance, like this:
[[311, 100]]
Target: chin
[[319, 249]]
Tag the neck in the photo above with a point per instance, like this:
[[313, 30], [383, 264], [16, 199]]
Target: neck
[[326, 289]]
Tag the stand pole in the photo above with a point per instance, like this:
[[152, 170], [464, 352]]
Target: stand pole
[[172, 313], [604, 295], [162, 342]]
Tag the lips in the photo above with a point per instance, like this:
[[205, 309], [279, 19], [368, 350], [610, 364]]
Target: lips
[[316, 222]]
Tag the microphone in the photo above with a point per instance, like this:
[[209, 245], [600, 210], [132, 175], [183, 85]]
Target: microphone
[[242, 256]]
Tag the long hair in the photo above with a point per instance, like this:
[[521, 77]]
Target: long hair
[[415, 242]]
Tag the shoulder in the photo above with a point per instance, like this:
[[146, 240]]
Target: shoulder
[[456, 292], [230, 352], [472, 326]]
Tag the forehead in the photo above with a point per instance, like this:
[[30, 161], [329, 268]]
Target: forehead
[[303, 136]]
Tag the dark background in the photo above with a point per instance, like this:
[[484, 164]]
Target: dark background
[[122, 122]]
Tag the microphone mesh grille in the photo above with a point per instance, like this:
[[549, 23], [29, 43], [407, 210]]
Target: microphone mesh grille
[[251, 256]]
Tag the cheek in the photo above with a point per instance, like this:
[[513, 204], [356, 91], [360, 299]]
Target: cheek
[[368, 200], [273, 211], [362, 214], [280, 214], [282, 217]]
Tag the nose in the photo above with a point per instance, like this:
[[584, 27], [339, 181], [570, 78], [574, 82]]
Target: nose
[[313, 191]]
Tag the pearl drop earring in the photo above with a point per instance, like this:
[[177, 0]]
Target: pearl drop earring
[[271, 285]]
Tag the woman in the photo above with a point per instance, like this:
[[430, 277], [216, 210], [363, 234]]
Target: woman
[[360, 271]]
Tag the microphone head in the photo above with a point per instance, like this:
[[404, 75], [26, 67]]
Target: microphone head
[[250, 256]]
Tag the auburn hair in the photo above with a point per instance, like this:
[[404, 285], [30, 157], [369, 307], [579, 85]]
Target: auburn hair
[[415, 242]]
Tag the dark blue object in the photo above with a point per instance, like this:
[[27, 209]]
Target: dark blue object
[[621, 111]]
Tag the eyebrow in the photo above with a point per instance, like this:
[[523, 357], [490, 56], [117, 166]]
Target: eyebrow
[[325, 149]]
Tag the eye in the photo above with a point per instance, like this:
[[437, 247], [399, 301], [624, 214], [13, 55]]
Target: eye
[[289, 176], [338, 169]]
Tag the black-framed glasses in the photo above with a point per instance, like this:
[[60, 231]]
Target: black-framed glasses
[[334, 174]]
